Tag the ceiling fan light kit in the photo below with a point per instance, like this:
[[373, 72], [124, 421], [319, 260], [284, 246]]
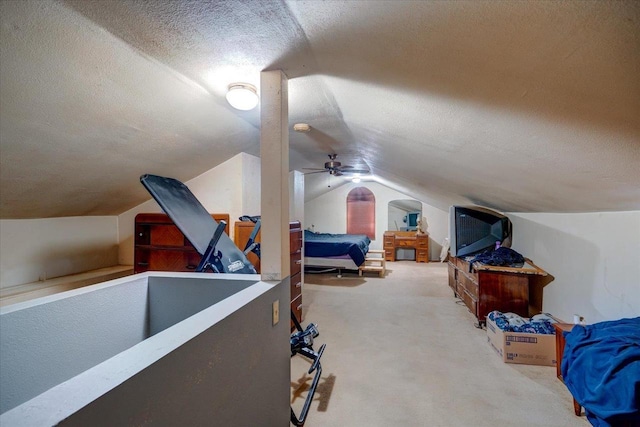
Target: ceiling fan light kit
[[333, 163], [242, 96]]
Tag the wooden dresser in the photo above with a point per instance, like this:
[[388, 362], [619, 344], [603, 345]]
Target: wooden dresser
[[160, 246], [394, 240], [486, 288], [295, 242], [242, 231]]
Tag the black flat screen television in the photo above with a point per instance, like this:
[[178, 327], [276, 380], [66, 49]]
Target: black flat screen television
[[473, 229]]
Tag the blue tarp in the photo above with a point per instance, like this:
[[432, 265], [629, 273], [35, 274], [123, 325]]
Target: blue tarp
[[325, 245], [601, 368]]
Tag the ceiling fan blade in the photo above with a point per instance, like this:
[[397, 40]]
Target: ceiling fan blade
[[354, 171], [318, 171], [314, 169]]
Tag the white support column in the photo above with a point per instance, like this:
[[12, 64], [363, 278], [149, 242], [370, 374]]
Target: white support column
[[274, 155]]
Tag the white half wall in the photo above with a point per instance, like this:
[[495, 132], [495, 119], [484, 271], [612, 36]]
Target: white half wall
[[594, 257], [328, 214], [154, 348], [40, 249]]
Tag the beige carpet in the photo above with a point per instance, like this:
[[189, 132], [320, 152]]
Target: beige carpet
[[402, 351]]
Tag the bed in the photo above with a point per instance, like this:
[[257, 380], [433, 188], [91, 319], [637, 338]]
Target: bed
[[601, 368], [341, 251]]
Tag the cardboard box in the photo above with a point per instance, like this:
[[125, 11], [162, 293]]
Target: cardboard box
[[517, 347]]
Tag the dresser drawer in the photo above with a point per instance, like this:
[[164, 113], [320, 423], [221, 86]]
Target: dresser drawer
[[462, 265], [410, 243], [453, 274], [296, 263], [468, 284], [295, 241], [452, 284], [296, 307], [470, 302], [459, 288], [389, 254], [296, 286]]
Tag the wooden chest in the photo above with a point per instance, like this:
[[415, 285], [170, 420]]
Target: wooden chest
[[485, 288]]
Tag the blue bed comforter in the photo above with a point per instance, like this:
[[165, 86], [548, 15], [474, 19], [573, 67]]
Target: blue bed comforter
[[601, 368], [326, 245]]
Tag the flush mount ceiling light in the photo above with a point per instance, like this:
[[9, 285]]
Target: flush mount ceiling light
[[242, 96], [301, 127]]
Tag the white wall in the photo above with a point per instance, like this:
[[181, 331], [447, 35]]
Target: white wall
[[436, 222], [232, 187], [251, 196], [40, 249], [328, 214], [594, 257], [296, 196]]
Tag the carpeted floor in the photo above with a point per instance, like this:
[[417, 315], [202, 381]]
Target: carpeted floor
[[401, 350]]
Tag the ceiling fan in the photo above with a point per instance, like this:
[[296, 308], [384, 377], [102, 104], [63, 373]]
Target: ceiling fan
[[336, 168]]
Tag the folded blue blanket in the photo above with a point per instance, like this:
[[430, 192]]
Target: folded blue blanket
[[505, 321], [601, 368]]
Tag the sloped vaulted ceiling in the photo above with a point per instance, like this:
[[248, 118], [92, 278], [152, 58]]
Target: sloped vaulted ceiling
[[516, 105]]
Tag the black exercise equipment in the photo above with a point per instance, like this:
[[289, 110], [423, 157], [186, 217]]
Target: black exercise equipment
[[252, 245], [221, 255], [301, 341]]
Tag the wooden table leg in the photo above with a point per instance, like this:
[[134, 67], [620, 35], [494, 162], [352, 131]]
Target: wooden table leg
[[577, 409], [560, 328]]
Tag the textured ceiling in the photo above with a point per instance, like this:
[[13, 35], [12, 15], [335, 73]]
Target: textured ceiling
[[516, 105]]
